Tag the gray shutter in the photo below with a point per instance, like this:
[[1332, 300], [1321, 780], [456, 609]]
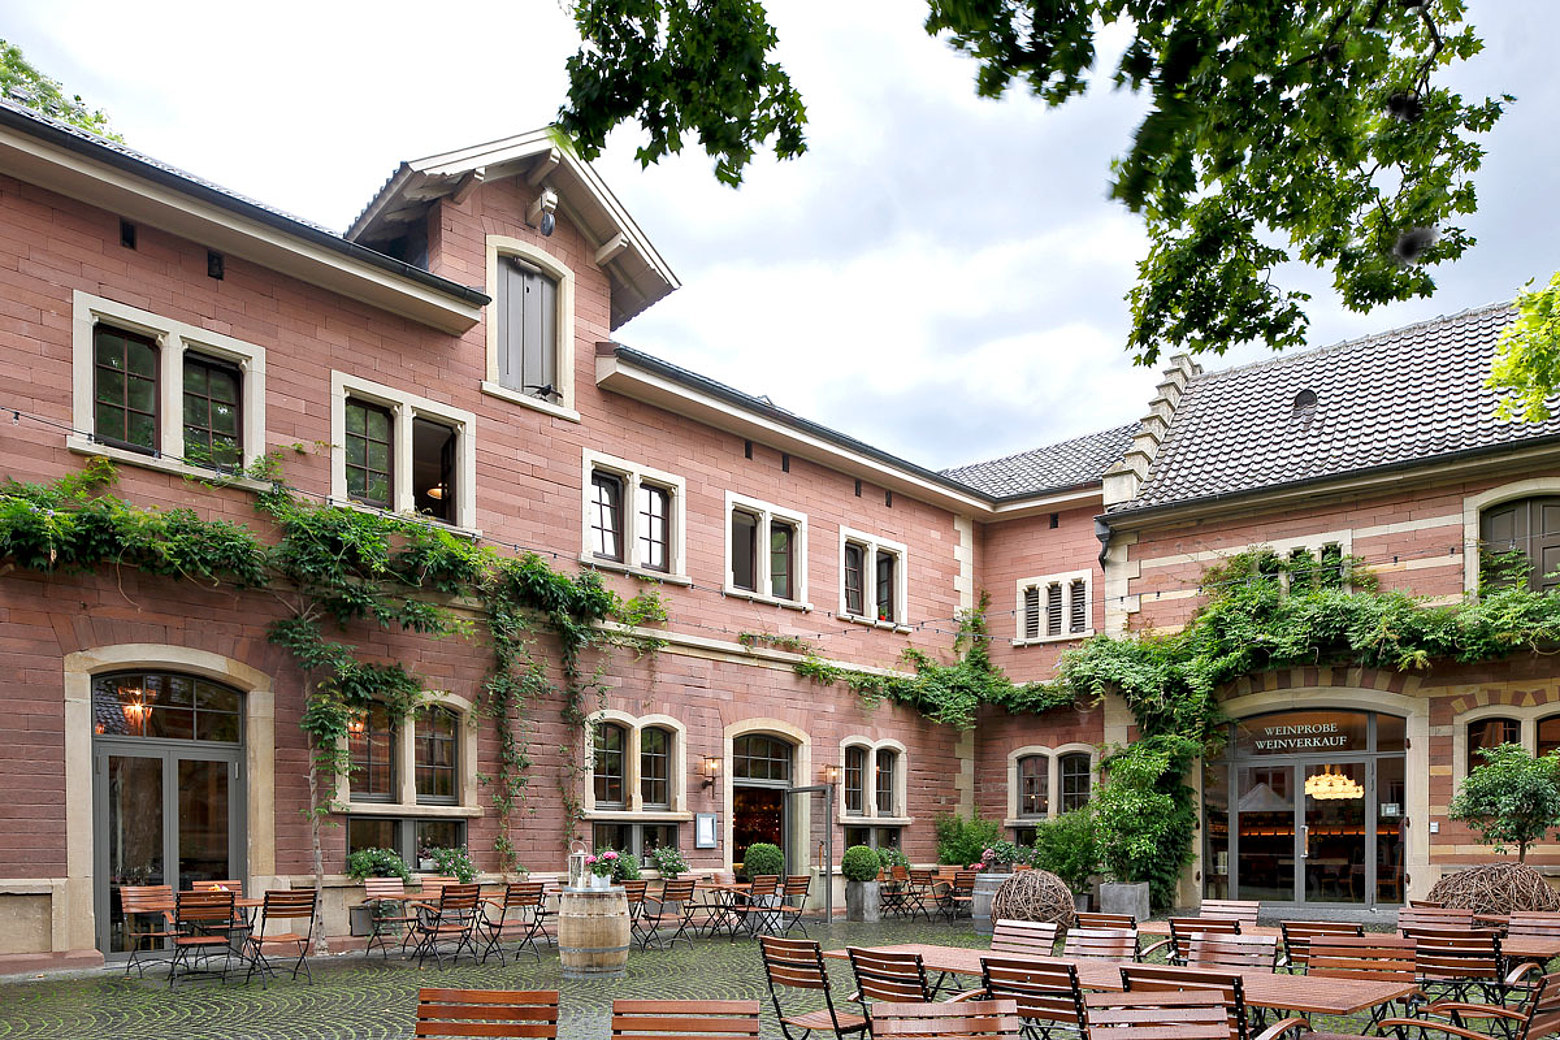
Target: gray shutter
[[1032, 612], [1080, 606], [1053, 609], [527, 327]]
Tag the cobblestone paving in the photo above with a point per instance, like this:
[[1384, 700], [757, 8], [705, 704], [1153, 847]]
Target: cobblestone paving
[[357, 999]]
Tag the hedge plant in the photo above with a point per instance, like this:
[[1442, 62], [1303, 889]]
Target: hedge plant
[[860, 863], [763, 859]]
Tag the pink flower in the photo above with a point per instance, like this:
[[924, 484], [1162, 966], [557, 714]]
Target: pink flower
[[590, 861], [609, 855]]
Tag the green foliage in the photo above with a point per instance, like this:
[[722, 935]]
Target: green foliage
[[1512, 799], [890, 856], [451, 862], [1527, 357], [1144, 814], [1005, 853], [1276, 132], [668, 860], [763, 859], [860, 863], [625, 867], [20, 81], [367, 863], [964, 840], [1066, 846]]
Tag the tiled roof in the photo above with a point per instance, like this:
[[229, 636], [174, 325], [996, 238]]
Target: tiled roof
[[1398, 398], [1081, 460]]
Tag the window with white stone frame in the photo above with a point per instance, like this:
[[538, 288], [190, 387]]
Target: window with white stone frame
[[766, 552], [874, 577], [1054, 607], [1045, 781], [632, 518]]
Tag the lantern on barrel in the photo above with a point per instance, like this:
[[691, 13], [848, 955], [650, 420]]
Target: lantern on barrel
[[578, 876]]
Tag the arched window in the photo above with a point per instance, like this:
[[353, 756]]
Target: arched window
[[1530, 526], [371, 744], [1488, 733], [759, 756], [855, 780], [655, 749], [165, 705], [607, 763], [1034, 776], [1076, 777], [436, 755], [1548, 734]]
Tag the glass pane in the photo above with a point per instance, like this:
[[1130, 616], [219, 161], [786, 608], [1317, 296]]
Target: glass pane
[[1548, 734], [1335, 833], [195, 378], [1391, 824], [142, 394], [1488, 733], [1390, 732], [612, 836], [377, 423], [356, 419], [110, 386], [203, 821], [366, 832], [440, 834], [134, 835], [744, 549], [142, 359], [224, 418], [1266, 804], [212, 696], [179, 691], [224, 386], [216, 726], [1216, 827], [173, 723], [108, 421], [1301, 733], [378, 457], [109, 350], [143, 431]]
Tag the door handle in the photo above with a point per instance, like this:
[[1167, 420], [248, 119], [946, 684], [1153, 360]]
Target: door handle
[[1305, 841]]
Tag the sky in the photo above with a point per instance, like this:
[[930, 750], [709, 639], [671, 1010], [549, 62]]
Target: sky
[[939, 275]]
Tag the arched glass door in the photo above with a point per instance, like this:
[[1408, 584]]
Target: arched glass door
[[167, 751], [761, 767]]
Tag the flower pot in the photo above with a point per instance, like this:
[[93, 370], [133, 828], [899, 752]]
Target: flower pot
[[863, 902], [1081, 902], [599, 883], [1118, 898], [426, 864]]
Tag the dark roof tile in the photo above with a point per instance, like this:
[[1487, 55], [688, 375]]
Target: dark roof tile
[[1082, 460]]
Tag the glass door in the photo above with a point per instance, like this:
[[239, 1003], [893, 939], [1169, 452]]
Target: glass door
[[1265, 832], [1333, 848], [133, 839]]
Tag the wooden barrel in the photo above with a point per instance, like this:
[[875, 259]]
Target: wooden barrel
[[593, 932], [986, 886]]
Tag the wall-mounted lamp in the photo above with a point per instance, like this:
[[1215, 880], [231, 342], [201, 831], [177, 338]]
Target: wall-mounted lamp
[[710, 770], [831, 774], [357, 724], [540, 213]]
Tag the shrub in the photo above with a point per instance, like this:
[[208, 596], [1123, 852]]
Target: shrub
[[1067, 848], [859, 863], [962, 841], [668, 860], [455, 862], [1512, 799], [367, 863], [763, 859], [1140, 809], [892, 857], [625, 867], [1005, 853]]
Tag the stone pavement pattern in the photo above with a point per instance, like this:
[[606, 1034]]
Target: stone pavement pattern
[[357, 999]]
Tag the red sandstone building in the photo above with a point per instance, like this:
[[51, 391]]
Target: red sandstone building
[[451, 356]]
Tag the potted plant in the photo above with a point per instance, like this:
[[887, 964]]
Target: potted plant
[[1001, 856], [668, 860], [860, 866], [625, 867], [1135, 821], [367, 863], [1067, 848], [891, 857], [452, 862], [601, 865], [763, 859]]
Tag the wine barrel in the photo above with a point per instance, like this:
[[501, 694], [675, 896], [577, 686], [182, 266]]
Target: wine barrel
[[986, 886], [593, 932]]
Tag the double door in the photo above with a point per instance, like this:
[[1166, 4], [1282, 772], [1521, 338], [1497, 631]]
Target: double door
[[164, 813]]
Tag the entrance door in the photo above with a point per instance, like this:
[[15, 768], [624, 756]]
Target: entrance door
[[757, 814], [761, 766], [1336, 865]]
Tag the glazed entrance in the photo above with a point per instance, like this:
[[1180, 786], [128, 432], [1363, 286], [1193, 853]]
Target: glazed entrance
[[1317, 813]]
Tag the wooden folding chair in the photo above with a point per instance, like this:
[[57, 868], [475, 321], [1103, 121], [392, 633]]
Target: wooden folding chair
[[1024, 938], [1452, 961], [204, 920], [1234, 952], [798, 964], [1368, 958], [521, 909], [1091, 920], [685, 1019], [1181, 931], [388, 914], [673, 906], [1299, 934], [1111, 944], [452, 920], [1537, 1017], [1243, 910], [1188, 1015], [793, 902], [922, 886], [148, 912], [987, 1018], [290, 906], [899, 978], [1432, 917], [1165, 978], [1049, 999], [956, 898], [763, 896], [463, 1013]]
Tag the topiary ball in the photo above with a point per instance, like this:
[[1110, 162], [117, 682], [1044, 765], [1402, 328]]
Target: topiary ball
[[1034, 895], [859, 863], [1496, 888]]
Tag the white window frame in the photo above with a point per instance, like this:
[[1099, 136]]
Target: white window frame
[[767, 513], [405, 802], [633, 475], [896, 815], [498, 247], [872, 545], [174, 339], [1065, 581], [633, 808], [1311, 543], [404, 407], [1053, 779]]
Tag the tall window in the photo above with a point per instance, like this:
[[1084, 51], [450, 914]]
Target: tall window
[[782, 548], [766, 550], [1034, 778], [855, 780], [866, 558], [608, 762], [855, 577], [527, 329], [1076, 777], [887, 762], [125, 389], [434, 492], [606, 517], [654, 767], [213, 430], [759, 756], [1054, 607], [1530, 526], [744, 550], [371, 740], [1488, 733], [654, 527], [1548, 734], [370, 454], [887, 565], [435, 756]]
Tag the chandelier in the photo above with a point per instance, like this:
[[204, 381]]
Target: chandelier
[[1329, 786]]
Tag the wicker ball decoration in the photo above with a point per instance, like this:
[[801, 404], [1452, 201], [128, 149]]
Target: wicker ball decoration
[[1034, 895], [1496, 888]]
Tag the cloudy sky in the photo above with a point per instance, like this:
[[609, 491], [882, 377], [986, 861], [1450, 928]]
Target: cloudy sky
[[939, 275]]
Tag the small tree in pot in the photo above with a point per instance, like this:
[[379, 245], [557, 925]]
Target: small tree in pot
[[762, 859], [1138, 809], [860, 867], [1512, 799]]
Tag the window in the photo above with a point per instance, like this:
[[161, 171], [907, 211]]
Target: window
[[759, 756], [1488, 733], [607, 763], [1077, 778], [165, 705], [408, 837], [530, 328], [855, 780], [371, 745], [887, 761], [435, 757], [654, 766], [1058, 606], [861, 556], [1530, 526], [1549, 734], [162, 393], [633, 516], [638, 839], [1034, 772], [402, 453], [766, 551], [873, 837]]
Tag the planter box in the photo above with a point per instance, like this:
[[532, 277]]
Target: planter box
[[1125, 899], [863, 901]]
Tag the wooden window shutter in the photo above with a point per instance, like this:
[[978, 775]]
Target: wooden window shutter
[[1078, 620], [1053, 609], [1032, 612]]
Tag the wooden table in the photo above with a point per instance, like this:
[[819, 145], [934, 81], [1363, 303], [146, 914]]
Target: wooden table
[[1520, 947], [1265, 989]]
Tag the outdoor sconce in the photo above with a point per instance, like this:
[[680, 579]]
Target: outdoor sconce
[[711, 770], [831, 774]]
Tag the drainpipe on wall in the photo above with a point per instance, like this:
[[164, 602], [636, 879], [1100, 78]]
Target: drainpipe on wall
[[1102, 532]]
